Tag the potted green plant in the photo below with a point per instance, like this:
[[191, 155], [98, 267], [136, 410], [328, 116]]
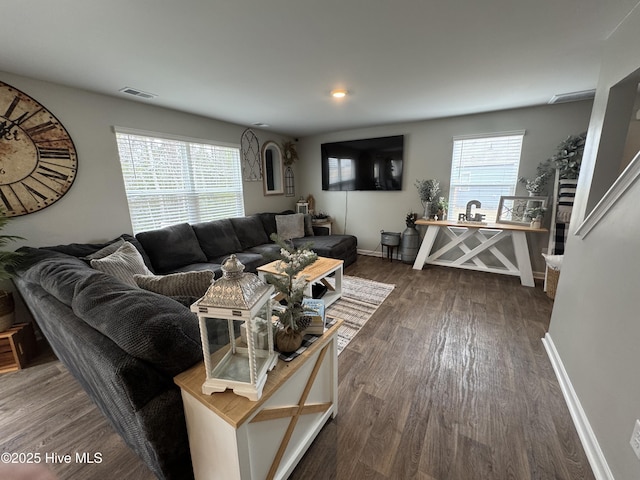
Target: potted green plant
[[7, 260], [535, 214], [290, 262], [536, 185], [442, 206], [427, 191]]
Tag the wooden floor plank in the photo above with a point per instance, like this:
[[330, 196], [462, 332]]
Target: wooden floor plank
[[448, 380]]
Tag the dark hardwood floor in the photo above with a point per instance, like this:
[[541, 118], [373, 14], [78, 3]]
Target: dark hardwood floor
[[447, 381]]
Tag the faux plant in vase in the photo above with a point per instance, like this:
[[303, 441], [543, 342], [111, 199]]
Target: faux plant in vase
[[536, 185], [427, 191], [290, 261], [535, 214], [442, 206], [7, 260]]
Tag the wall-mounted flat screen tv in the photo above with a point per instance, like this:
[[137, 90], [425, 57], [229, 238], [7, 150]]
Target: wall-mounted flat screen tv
[[368, 164]]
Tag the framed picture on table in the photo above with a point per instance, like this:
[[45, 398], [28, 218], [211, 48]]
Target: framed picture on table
[[515, 210]]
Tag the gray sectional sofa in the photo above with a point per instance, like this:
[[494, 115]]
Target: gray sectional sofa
[[124, 344]]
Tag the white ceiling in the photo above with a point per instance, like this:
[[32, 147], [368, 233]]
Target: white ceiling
[[275, 61]]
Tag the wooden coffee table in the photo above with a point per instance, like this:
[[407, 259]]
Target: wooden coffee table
[[318, 271]]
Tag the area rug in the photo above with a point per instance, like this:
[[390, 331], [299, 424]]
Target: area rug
[[360, 299]]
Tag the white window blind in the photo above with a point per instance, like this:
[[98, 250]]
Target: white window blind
[[170, 181], [483, 168]]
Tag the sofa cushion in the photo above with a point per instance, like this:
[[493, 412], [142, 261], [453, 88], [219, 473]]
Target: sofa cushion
[[123, 264], [308, 226], [290, 226], [83, 250], [147, 326], [55, 272], [193, 283], [250, 231], [341, 247], [268, 220], [172, 247], [217, 238]]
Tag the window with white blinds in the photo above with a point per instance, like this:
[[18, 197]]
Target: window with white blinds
[[483, 168], [171, 180]]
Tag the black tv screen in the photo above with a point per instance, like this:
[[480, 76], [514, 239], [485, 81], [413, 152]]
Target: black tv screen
[[368, 164]]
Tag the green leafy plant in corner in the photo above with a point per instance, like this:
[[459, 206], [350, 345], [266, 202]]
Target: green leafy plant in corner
[[568, 158], [8, 260]]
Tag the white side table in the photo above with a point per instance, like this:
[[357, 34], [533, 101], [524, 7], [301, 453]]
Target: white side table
[[231, 437]]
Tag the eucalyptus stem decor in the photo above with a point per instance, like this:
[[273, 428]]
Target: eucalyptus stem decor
[[427, 191]]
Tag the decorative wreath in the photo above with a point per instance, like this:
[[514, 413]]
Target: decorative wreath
[[289, 153]]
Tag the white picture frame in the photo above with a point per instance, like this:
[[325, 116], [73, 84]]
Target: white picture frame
[[512, 209]]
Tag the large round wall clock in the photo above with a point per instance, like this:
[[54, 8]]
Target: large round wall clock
[[38, 160]]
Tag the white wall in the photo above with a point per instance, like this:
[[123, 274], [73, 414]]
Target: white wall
[[428, 148], [95, 208], [594, 324]]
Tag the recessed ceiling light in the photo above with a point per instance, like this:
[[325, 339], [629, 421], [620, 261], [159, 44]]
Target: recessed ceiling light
[[339, 93], [260, 124]]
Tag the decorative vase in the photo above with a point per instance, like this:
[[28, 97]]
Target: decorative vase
[[410, 245], [427, 210], [288, 340], [536, 223]]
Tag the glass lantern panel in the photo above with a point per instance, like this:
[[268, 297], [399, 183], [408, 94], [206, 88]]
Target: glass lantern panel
[[260, 332], [235, 364]]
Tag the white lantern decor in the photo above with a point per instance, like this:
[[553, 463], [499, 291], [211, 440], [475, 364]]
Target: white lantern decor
[[302, 206], [237, 300]]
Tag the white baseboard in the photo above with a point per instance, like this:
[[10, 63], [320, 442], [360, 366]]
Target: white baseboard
[[376, 253], [589, 441]]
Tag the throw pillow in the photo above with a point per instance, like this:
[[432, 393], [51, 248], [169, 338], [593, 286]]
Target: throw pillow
[[193, 283], [290, 226], [171, 248], [105, 251], [123, 264]]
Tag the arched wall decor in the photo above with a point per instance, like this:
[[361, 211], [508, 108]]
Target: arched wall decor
[[250, 151]]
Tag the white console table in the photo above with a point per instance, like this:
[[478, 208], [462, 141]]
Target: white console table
[[232, 437], [484, 238]]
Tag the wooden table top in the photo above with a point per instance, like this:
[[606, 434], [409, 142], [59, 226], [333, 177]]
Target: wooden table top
[[492, 226], [235, 409], [318, 269]]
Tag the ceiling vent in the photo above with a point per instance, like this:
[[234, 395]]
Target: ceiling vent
[[572, 96], [137, 93]]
